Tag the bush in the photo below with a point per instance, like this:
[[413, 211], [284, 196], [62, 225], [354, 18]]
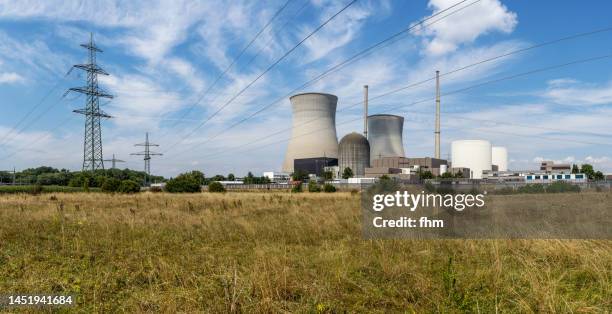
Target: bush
[[328, 188], [111, 185], [155, 189], [531, 188], [128, 186], [36, 189], [313, 187], [561, 187], [216, 187], [297, 188], [184, 183]]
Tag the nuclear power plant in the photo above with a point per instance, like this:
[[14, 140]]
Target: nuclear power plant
[[314, 149]]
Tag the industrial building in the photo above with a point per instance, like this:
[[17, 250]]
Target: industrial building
[[354, 153], [277, 177], [550, 166], [385, 136], [313, 133], [314, 166], [434, 165]]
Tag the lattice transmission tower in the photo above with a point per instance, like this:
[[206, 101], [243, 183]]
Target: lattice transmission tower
[[92, 148], [114, 161], [147, 153]]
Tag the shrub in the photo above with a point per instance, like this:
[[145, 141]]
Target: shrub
[[531, 188], [561, 187], [128, 186], [216, 187], [297, 188], [328, 188], [36, 189], [184, 183], [313, 187], [111, 185]]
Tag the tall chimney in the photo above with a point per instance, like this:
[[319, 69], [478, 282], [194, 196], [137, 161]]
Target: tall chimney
[[437, 131], [365, 111]]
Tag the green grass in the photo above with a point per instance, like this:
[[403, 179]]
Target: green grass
[[282, 252], [10, 189]]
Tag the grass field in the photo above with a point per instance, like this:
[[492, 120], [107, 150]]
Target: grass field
[[281, 252]]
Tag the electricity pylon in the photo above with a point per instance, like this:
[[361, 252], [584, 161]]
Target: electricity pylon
[[147, 153], [114, 161], [92, 147]]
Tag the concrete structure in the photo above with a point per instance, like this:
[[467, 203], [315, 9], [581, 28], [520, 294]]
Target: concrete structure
[[499, 157], [314, 166], [550, 166], [473, 154], [553, 177], [314, 128], [335, 171], [385, 136], [354, 153], [424, 164]]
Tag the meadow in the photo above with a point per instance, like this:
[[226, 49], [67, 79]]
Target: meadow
[[279, 252]]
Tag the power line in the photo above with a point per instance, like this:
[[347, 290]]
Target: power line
[[353, 58], [510, 77], [264, 72], [462, 68], [244, 49]]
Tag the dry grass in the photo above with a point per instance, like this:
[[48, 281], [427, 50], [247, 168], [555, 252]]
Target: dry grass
[[278, 252]]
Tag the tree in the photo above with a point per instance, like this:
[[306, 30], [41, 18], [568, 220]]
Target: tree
[[216, 187], [598, 176], [347, 173], [128, 186], [313, 187], [185, 183], [575, 168], [588, 170], [111, 185], [446, 175], [426, 174], [231, 177]]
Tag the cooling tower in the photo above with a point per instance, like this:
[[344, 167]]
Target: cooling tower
[[499, 157], [385, 136], [473, 154], [314, 128], [354, 153]]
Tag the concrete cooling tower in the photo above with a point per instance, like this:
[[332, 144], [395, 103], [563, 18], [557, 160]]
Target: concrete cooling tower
[[385, 136], [473, 154], [354, 153], [314, 128], [499, 157]]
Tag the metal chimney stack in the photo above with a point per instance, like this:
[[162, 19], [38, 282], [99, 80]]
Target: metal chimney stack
[[437, 131], [365, 111]]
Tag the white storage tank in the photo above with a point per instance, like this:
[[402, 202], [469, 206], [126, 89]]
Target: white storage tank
[[499, 157], [443, 169], [473, 154]]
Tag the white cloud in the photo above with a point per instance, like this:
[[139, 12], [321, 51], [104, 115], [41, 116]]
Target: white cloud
[[464, 27], [575, 93], [10, 78]]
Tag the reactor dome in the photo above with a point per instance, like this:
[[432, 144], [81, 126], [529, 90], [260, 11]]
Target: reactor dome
[[313, 132], [499, 157], [473, 154], [354, 153]]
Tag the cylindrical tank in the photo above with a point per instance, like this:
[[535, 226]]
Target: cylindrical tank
[[473, 154], [354, 153], [499, 157], [314, 128], [385, 136]]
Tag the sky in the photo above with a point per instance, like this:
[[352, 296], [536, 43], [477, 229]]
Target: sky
[[175, 74]]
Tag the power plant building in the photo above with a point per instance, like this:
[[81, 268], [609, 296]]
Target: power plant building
[[385, 136], [314, 166], [472, 154], [354, 153], [313, 134]]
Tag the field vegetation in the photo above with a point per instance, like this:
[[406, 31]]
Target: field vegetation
[[283, 252]]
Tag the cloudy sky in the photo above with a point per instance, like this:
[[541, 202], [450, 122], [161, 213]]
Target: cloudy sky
[[166, 60]]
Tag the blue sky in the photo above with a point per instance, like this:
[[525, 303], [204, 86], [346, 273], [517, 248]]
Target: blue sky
[[163, 55]]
